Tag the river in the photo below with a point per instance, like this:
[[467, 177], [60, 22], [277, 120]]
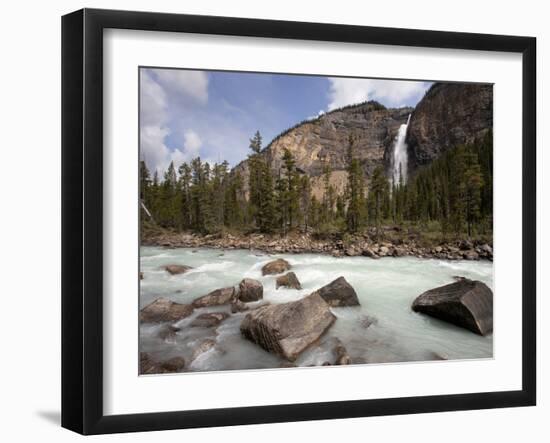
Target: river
[[383, 329]]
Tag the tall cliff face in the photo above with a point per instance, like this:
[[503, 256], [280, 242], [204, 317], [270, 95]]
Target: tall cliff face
[[325, 140], [450, 114]]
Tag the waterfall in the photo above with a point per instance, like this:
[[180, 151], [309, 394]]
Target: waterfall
[[400, 156]]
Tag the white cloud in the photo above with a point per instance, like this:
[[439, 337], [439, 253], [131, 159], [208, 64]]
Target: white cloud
[[154, 129], [187, 84], [192, 143], [153, 102], [346, 91], [313, 117]]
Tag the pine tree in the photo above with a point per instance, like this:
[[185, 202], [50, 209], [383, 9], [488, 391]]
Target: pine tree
[[280, 201], [169, 204], [217, 194], [305, 200], [328, 194], [234, 204], [458, 189], [287, 192], [144, 181], [377, 197], [453, 192], [184, 180], [315, 209], [473, 182], [355, 190], [196, 197], [255, 166], [485, 156], [261, 200], [266, 210]]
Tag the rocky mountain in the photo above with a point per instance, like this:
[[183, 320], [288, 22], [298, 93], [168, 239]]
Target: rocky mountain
[[450, 114], [324, 140]]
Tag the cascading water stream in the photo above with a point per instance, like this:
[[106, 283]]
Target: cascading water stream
[[400, 156], [385, 288]]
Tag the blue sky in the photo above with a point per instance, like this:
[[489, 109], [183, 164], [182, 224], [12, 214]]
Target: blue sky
[[213, 114]]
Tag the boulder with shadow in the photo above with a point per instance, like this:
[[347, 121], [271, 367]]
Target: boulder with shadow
[[466, 303]]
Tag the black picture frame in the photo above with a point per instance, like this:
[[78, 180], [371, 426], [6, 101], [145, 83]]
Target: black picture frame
[[82, 219]]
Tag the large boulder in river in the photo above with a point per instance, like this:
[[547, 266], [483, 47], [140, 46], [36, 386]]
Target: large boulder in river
[[163, 309], [276, 267], [289, 280], [177, 269], [250, 290], [215, 298], [339, 293], [466, 303], [287, 329]]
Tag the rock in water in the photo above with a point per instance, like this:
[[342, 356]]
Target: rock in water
[[174, 364], [163, 309], [177, 269], [288, 329], [276, 267], [341, 354], [203, 347], [238, 306], [209, 319], [250, 290], [288, 280], [339, 293], [168, 332], [149, 366], [367, 252], [218, 297], [466, 303]]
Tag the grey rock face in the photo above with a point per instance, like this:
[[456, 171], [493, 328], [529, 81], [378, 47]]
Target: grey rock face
[[465, 303], [450, 114], [288, 329], [316, 143]]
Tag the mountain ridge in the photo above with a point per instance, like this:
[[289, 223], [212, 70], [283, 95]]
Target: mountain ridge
[[449, 114], [324, 141]]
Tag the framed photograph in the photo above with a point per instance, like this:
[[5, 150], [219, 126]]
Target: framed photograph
[[269, 221]]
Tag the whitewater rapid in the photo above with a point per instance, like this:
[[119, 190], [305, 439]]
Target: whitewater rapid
[[383, 329]]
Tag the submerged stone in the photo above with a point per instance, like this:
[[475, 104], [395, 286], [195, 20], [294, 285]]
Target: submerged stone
[[177, 269]]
